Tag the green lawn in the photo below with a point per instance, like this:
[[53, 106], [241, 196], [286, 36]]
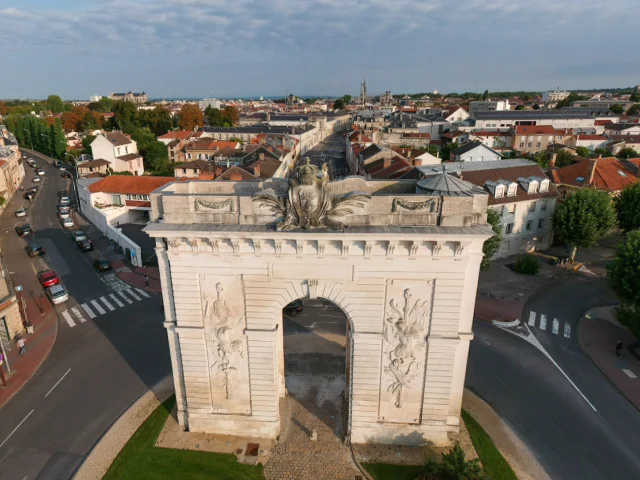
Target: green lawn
[[383, 471], [139, 459], [494, 463]]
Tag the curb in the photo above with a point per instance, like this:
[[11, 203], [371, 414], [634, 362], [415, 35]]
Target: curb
[[103, 454]]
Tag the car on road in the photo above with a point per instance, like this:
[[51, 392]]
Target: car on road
[[57, 294], [67, 223], [85, 245], [33, 188], [31, 162], [48, 278], [293, 309], [64, 208], [65, 201], [57, 163], [79, 235], [65, 174], [24, 229], [63, 214], [102, 264], [34, 249], [21, 212], [39, 171], [36, 179], [29, 195]]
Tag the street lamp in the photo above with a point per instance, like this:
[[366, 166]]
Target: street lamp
[[30, 139]]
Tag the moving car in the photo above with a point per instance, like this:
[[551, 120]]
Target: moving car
[[85, 245], [65, 201], [57, 294], [79, 235], [34, 249], [36, 179], [102, 264], [67, 223], [21, 212], [48, 278], [39, 171], [24, 230], [293, 309]]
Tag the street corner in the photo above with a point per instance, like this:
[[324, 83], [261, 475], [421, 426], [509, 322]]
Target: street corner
[[490, 309]]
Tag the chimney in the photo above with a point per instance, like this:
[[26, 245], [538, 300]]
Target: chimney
[[236, 177], [261, 156], [256, 169], [592, 169], [554, 157], [387, 162], [218, 171]]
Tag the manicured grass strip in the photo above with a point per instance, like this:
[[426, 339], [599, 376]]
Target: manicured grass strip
[[384, 471], [139, 459], [492, 460]]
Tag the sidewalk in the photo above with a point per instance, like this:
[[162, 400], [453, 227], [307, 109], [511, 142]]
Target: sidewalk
[[598, 334]]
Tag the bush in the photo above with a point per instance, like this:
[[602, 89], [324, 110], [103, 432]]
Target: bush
[[454, 466], [526, 265]]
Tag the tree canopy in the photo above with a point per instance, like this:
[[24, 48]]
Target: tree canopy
[[583, 218], [191, 116], [81, 119], [628, 208], [623, 278], [617, 109], [55, 104], [338, 104], [492, 245], [633, 109], [583, 152]]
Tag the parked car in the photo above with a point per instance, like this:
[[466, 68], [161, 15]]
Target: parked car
[[79, 235], [36, 180], [63, 214], [57, 294], [39, 171], [57, 163], [24, 230], [29, 195], [67, 223], [21, 212], [102, 264], [65, 201], [85, 245], [34, 249], [48, 278], [31, 162], [64, 208], [33, 188], [293, 309], [65, 174]]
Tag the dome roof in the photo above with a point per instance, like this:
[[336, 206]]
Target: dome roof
[[446, 185]]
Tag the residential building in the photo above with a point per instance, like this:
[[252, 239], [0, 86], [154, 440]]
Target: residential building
[[618, 143], [456, 115], [434, 125], [119, 150], [625, 104], [130, 97], [511, 118], [11, 165], [607, 174], [532, 138], [487, 106], [498, 140], [209, 102], [474, 152], [591, 142], [178, 135], [195, 169], [554, 96], [622, 129], [11, 313], [93, 168]]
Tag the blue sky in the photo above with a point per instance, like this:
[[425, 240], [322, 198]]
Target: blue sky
[[172, 48]]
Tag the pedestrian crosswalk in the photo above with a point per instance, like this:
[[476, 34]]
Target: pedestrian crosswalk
[[555, 324], [102, 305]]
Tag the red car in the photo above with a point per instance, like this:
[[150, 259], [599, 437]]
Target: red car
[[48, 278]]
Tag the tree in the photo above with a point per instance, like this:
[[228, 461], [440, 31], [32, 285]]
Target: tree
[[583, 218], [191, 116], [623, 278], [563, 159], [519, 107], [124, 116], [105, 104], [54, 103], [447, 148], [536, 107], [635, 97], [214, 116], [492, 245], [633, 109], [628, 208], [157, 120], [3, 108], [542, 159], [628, 152], [338, 104], [485, 95], [347, 99], [617, 109], [86, 144], [583, 152], [232, 114]]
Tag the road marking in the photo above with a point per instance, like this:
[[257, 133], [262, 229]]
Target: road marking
[[567, 329], [86, 308], [97, 306], [117, 302], [143, 293], [106, 302], [78, 315], [543, 322], [126, 299], [132, 293], [68, 318], [14, 430], [62, 378], [629, 373], [555, 326], [532, 318]]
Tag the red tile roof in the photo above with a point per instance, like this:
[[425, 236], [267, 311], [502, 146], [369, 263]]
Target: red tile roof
[[180, 134], [128, 184], [609, 174], [237, 174], [535, 130], [592, 137]]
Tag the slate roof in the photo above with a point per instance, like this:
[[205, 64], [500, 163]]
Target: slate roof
[[467, 147], [129, 157], [117, 139], [447, 185]]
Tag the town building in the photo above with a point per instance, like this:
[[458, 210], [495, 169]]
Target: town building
[[11, 166], [511, 118], [120, 150], [554, 96], [487, 106], [607, 174], [13, 315], [474, 152], [532, 138], [130, 97], [93, 168], [625, 104]]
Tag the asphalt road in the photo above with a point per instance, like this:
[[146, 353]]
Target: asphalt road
[[96, 369], [332, 151]]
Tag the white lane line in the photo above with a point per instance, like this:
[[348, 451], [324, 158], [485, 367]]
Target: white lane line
[[543, 322], [132, 293], [532, 319], [68, 318], [78, 315], [115, 300], [14, 430], [106, 302], [97, 306], [86, 308], [62, 378], [629, 373], [567, 329], [126, 299], [555, 326], [143, 293]]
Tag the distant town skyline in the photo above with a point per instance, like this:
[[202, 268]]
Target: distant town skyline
[[242, 48]]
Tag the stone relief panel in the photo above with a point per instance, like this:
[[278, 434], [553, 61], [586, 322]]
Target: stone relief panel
[[407, 317], [226, 344]]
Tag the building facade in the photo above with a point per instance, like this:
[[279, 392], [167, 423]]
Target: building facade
[[231, 256], [119, 150], [130, 96]]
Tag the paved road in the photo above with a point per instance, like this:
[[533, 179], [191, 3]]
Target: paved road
[[567, 436], [332, 151], [102, 364]]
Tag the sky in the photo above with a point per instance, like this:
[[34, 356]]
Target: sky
[[233, 48]]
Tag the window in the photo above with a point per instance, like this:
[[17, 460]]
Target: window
[[184, 170], [541, 223], [521, 144], [529, 225], [188, 156], [511, 208], [532, 207], [538, 145], [544, 186], [138, 197], [513, 189], [118, 151], [126, 149], [116, 200], [508, 228], [529, 145], [543, 205], [499, 191]]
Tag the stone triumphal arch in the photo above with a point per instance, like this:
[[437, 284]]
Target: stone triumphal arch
[[399, 257]]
